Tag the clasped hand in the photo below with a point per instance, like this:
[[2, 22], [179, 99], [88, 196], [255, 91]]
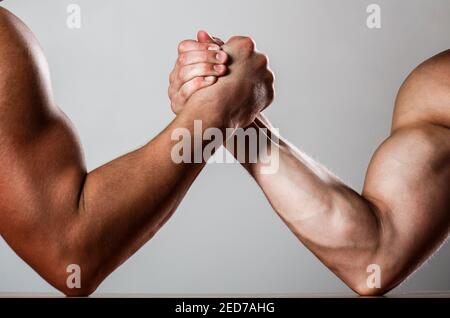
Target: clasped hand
[[232, 78]]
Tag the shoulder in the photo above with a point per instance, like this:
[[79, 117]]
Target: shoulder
[[20, 51], [28, 104], [13, 32], [425, 94]]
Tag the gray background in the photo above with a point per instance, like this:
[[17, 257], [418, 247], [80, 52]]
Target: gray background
[[336, 83]]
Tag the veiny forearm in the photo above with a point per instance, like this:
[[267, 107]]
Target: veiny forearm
[[404, 197], [334, 222], [338, 225]]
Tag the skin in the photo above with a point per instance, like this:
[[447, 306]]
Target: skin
[[52, 212], [403, 213]]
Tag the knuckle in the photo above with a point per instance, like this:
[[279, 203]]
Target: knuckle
[[239, 38], [203, 46], [271, 76], [176, 101], [182, 94], [248, 41], [205, 56], [205, 68], [181, 59], [182, 46], [197, 82], [262, 60], [247, 44], [243, 45], [182, 73], [234, 39], [265, 58]]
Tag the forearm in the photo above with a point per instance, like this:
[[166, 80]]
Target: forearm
[[124, 203], [338, 225]]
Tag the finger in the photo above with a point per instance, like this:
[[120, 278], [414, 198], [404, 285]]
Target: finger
[[189, 72], [194, 60], [192, 45], [184, 73], [204, 37], [191, 87], [194, 57]]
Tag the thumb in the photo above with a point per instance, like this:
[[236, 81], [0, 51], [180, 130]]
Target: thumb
[[204, 37]]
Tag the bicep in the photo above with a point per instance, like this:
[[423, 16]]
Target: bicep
[[39, 189], [407, 181], [41, 164]]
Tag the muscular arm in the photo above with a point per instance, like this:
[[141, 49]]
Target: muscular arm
[[403, 212], [401, 216], [52, 212]]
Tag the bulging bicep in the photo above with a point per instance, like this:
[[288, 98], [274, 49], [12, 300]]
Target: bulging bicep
[[408, 181], [40, 187], [41, 163]]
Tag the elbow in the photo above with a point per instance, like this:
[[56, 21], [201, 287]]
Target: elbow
[[365, 286], [75, 272], [72, 285], [78, 281], [365, 291], [85, 291], [80, 266]]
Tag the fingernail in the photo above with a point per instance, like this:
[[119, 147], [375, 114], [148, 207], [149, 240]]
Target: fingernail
[[219, 68], [213, 47], [220, 56], [210, 79]]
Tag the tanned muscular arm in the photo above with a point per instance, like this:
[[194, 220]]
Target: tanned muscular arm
[[52, 212], [403, 213]]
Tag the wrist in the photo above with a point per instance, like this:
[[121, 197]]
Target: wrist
[[212, 112]]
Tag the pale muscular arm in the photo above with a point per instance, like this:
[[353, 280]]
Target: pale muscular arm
[[52, 212], [400, 218], [403, 213]]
